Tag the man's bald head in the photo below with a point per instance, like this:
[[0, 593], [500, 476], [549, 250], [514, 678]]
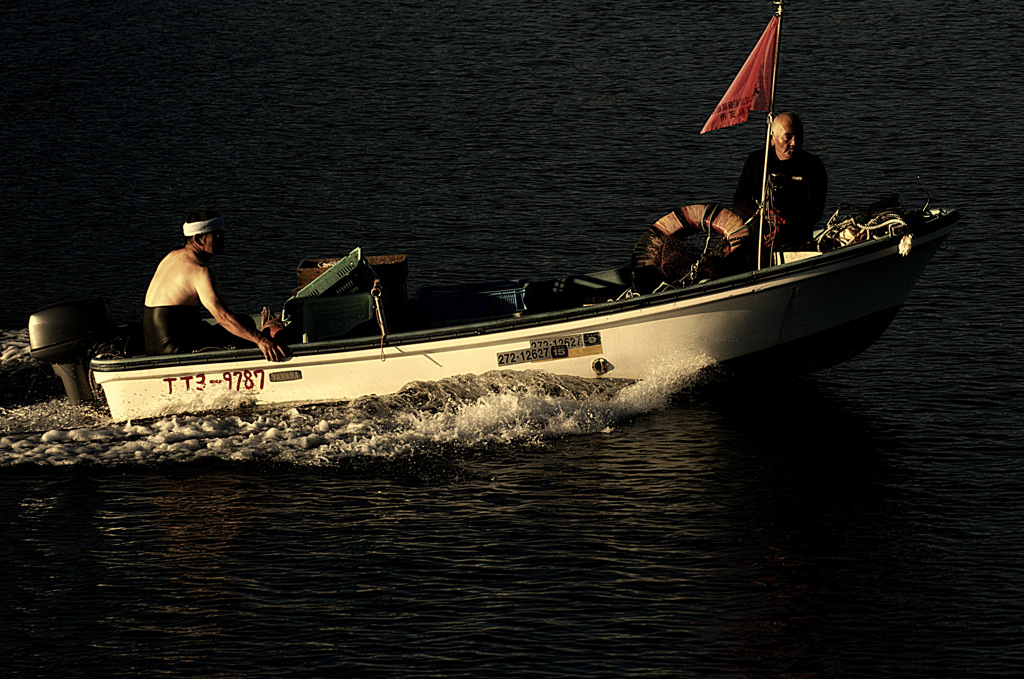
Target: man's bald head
[[787, 135]]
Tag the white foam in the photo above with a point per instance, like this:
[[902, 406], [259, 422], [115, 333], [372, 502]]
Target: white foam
[[14, 346], [470, 411]]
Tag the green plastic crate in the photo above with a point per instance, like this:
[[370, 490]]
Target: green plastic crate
[[325, 318], [348, 276]]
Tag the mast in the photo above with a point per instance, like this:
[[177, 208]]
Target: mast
[[768, 136]]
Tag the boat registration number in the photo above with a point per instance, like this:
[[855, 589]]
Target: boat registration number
[[232, 380], [553, 348]]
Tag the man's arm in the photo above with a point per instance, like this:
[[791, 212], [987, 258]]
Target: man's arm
[[818, 192], [206, 287], [743, 202]]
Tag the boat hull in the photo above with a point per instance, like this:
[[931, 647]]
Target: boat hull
[[800, 316]]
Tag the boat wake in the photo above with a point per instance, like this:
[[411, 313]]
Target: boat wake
[[495, 409]]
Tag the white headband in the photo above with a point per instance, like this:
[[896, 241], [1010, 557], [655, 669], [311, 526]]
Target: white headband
[[196, 228]]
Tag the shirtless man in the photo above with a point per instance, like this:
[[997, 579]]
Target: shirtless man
[[182, 282]]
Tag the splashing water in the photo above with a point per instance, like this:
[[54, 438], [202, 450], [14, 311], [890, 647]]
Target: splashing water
[[14, 346], [23, 379], [496, 408]]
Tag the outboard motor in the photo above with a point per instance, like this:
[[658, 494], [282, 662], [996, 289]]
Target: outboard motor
[[65, 335]]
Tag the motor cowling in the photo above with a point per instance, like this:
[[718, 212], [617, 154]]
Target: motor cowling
[[64, 335]]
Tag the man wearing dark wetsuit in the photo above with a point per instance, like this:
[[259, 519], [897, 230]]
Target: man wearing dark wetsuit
[[182, 285], [798, 184]]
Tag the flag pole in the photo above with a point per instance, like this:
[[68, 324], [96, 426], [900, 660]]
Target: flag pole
[[768, 137]]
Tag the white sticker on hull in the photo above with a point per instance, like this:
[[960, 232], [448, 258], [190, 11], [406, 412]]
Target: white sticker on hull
[[554, 348]]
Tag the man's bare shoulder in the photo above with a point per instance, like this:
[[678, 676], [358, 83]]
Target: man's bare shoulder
[[183, 257], [186, 264], [178, 279]]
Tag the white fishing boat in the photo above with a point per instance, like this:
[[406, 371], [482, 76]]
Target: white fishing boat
[[354, 332], [807, 314]]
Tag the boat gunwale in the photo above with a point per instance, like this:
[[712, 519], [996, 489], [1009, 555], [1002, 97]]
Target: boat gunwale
[[937, 223]]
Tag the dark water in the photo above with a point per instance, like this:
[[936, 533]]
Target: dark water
[[862, 522]]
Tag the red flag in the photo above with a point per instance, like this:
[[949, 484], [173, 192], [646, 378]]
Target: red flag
[[752, 88]]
